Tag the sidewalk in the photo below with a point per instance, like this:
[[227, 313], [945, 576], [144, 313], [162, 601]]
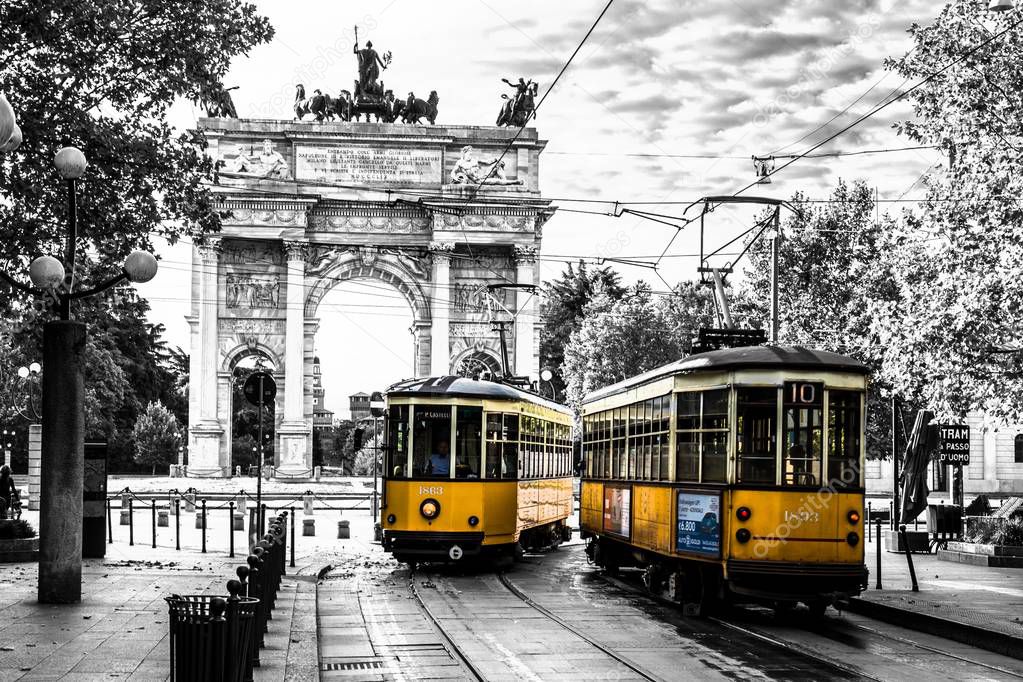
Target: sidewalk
[[974, 605], [119, 630]]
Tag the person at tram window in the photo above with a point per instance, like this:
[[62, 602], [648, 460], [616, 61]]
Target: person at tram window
[[440, 460]]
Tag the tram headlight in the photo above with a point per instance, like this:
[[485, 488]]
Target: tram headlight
[[430, 509], [743, 535], [474, 520], [853, 516], [853, 538], [743, 514], [391, 518]]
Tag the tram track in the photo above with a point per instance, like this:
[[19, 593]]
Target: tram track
[[631, 665], [451, 646], [764, 636]]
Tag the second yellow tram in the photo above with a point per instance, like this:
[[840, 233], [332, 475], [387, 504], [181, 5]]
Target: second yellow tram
[[473, 468], [732, 474]]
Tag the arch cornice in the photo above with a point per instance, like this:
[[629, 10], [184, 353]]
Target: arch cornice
[[244, 350]]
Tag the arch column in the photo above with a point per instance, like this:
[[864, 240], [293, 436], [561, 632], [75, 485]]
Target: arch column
[[526, 360], [440, 344], [294, 453], [205, 428]]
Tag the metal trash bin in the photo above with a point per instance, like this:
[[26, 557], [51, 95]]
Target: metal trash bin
[[211, 637]]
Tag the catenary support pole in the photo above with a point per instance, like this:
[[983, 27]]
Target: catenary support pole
[[909, 557]]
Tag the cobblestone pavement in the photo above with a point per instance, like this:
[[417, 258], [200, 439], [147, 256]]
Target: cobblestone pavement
[[119, 630]]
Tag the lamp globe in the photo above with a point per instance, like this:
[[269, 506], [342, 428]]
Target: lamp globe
[[70, 163], [46, 272], [140, 266]]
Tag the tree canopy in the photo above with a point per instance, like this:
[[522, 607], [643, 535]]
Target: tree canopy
[[157, 436], [952, 337], [102, 76]]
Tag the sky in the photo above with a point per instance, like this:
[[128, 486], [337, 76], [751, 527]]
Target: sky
[[666, 102]]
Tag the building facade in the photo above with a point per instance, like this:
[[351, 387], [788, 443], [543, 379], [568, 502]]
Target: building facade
[[995, 468]]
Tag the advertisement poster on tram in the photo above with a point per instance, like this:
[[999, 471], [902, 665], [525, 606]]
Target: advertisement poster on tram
[[617, 510], [699, 523]]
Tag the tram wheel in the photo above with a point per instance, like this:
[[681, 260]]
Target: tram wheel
[[817, 609]]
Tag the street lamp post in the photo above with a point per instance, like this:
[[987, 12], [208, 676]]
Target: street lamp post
[[63, 419]]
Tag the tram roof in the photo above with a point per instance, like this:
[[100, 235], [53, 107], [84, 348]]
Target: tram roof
[[745, 357], [462, 387]]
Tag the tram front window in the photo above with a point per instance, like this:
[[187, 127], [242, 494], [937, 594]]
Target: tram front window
[[397, 441], [804, 415], [468, 440], [755, 434], [431, 441]]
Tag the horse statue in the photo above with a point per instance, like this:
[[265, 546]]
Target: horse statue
[[416, 109], [321, 106], [344, 106], [517, 110], [216, 100]]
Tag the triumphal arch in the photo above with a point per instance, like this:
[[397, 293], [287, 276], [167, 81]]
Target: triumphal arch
[[450, 216]]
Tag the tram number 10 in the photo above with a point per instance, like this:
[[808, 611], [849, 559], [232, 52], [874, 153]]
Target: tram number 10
[[804, 393]]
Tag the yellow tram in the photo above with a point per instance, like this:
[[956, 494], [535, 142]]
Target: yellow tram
[[732, 474], [473, 467]]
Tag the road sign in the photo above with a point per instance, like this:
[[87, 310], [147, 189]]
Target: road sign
[[251, 388], [954, 444], [377, 406]]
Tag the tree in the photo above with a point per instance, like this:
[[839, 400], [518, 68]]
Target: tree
[[952, 338], [562, 309], [834, 270], [617, 339], [102, 76], [157, 436]]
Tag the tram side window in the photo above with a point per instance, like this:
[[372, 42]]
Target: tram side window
[[687, 440], [714, 427], [803, 446], [431, 441], [844, 438], [468, 440], [756, 433], [397, 441], [633, 442], [510, 448]]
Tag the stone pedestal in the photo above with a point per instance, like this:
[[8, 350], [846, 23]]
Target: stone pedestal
[[294, 459], [204, 451], [35, 453]]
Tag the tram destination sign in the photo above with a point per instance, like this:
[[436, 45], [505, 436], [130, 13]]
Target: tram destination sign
[[954, 444]]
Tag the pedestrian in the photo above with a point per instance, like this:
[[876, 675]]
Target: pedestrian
[[8, 493]]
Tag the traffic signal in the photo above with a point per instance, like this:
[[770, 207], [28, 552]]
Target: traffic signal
[[357, 439]]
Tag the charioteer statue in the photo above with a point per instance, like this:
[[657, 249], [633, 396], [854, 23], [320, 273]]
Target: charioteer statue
[[517, 110], [370, 65]]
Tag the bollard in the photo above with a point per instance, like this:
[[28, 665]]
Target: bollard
[[110, 525], [177, 524], [241, 501], [255, 590], [879, 543], [249, 578], [131, 523], [308, 527], [153, 509], [262, 521], [204, 525], [162, 518], [869, 519], [891, 514], [343, 532], [173, 495], [307, 503], [909, 558], [292, 530], [230, 524], [125, 516], [189, 501]]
